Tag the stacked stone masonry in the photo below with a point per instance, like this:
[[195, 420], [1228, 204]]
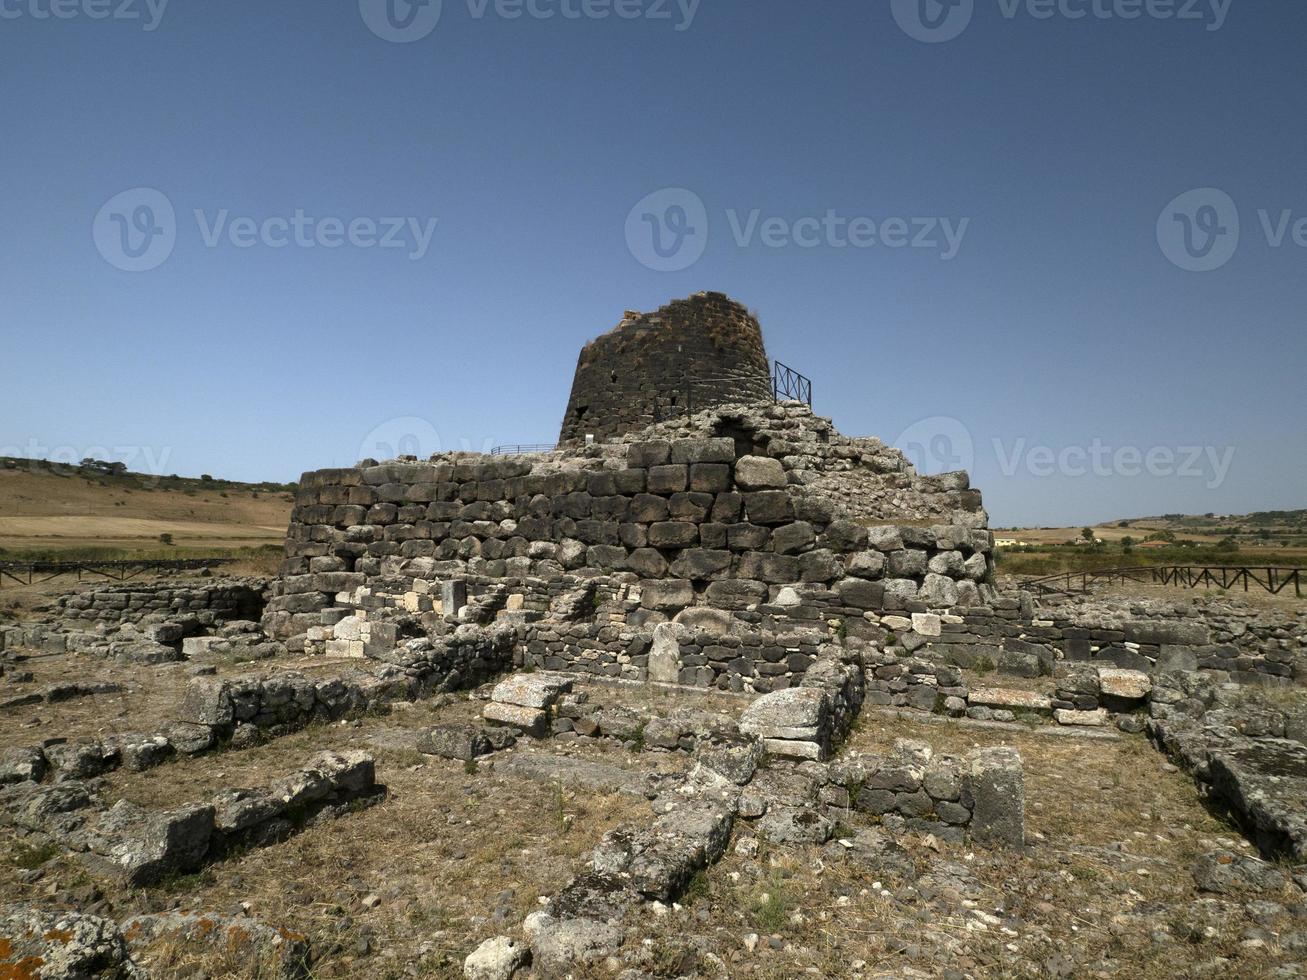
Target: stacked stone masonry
[[215, 601], [1250, 646], [622, 536], [691, 354]]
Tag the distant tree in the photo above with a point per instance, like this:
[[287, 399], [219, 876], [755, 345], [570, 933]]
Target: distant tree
[[1087, 533], [1124, 524], [1227, 544], [1167, 536], [165, 538], [205, 478], [1127, 543]]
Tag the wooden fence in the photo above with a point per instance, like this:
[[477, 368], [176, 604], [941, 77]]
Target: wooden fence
[[1270, 578], [32, 572]]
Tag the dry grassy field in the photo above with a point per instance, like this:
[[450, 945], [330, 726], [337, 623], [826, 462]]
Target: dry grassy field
[[49, 510]]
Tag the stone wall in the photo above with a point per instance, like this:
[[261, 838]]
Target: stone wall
[[212, 601], [643, 531], [691, 354], [1018, 637]]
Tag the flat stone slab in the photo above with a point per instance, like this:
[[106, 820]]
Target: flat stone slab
[[1098, 718], [797, 713], [464, 742], [1013, 700], [533, 721], [531, 690], [1265, 779], [596, 776], [1132, 685], [793, 749]]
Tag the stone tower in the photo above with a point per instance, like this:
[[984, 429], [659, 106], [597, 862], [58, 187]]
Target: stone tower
[[690, 355]]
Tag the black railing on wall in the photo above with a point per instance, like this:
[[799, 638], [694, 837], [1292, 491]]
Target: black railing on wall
[[523, 450], [789, 385]]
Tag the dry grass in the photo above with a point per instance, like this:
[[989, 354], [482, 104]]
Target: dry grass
[[149, 698], [48, 511], [450, 858], [1112, 836]]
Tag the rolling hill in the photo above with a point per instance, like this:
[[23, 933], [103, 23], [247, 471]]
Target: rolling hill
[[98, 509]]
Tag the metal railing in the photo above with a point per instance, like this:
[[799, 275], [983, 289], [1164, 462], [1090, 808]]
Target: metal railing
[[789, 385], [525, 450]]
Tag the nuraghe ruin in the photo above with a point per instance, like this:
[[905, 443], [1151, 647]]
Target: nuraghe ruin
[[709, 690]]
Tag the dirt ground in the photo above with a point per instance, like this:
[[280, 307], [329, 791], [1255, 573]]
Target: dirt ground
[[458, 853], [1103, 889], [149, 697], [454, 855]]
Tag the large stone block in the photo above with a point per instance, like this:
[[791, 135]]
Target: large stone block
[[996, 786], [665, 654], [532, 721], [1168, 633], [939, 591], [703, 451], [668, 479], [710, 477], [646, 508], [531, 690], [207, 701], [673, 534], [642, 455], [145, 846], [770, 568], [647, 563], [801, 713], [700, 563], [464, 742], [793, 539], [1129, 685], [886, 538], [769, 507], [759, 473], [860, 594], [666, 595], [1012, 700]]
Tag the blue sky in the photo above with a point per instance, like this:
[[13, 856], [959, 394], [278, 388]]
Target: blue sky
[[1058, 347]]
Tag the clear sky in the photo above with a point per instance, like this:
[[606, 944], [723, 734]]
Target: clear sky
[[1055, 329]]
